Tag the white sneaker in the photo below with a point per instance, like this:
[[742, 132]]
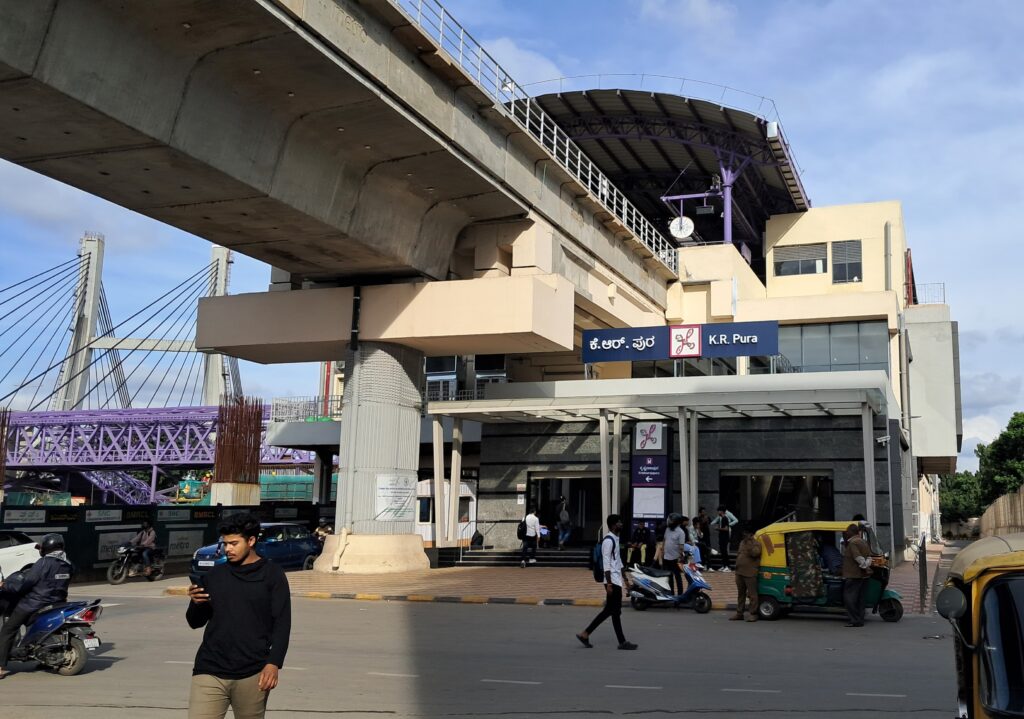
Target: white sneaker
[[712, 569], [726, 569], [533, 561]]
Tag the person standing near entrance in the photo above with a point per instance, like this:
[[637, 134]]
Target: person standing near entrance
[[530, 539], [748, 563], [675, 538], [856, 570], [723, 524], [564, 524], [246, 608], [702, 523], [611, 559]]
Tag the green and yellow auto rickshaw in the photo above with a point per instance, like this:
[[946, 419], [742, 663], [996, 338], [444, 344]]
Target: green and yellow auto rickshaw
[[984, 601], [801, 567]]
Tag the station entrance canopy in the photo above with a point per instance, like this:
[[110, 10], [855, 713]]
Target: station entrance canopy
[[685, 400]]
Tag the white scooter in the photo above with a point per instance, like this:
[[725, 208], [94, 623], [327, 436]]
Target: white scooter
[[652, 588]]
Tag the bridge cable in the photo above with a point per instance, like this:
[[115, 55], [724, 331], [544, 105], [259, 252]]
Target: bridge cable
[[188, 281], [189, 377], [174, 322], [29, 279], [70, 273], [186, 297], [59, 297], [68, 323], [107, 323], [53, 299], [178, 327], [183, 356]]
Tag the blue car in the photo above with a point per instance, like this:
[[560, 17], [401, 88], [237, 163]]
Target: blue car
[[290, 545]]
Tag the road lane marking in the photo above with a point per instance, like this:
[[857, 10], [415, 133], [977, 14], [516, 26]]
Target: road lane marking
[[107, 606], [628, 686], [754, 691], [506, 681], [884, 696], [391, 674]]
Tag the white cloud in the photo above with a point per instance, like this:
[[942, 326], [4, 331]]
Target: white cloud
[[524, 65], [986, 390], [690, 14]]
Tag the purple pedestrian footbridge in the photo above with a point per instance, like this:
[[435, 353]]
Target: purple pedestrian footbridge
[[103, 444]]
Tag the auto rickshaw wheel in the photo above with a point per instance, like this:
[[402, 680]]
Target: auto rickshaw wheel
[[891, 610], [768, 608]]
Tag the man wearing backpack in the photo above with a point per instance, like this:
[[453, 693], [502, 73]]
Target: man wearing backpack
[[529, 531], [611, 567]]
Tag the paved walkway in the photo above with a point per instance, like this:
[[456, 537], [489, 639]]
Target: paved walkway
[[536, 585]]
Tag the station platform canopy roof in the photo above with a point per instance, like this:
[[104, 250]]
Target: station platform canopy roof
[[818, 394], [652, 144]]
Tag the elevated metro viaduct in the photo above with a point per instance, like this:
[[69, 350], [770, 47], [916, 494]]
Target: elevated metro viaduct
[[404, 187]]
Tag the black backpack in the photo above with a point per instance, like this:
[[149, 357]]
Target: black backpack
[[521, 529], [597, 560]]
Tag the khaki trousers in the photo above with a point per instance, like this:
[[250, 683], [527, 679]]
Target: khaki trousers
[[210, 697], [746, 590]]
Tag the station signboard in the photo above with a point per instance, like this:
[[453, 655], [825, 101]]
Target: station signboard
[[725, 339]]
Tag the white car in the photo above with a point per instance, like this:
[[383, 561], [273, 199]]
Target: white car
[[16, 550]]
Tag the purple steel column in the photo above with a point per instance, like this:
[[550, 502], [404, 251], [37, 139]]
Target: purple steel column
[[727, 180], [152, 487]]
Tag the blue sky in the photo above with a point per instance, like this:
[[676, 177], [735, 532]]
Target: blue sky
[[917, 101]]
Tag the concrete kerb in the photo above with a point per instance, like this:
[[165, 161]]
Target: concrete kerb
[[449, 599]]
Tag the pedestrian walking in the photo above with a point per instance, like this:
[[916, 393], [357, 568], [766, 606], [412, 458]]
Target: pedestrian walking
[[675, 538], [748, 563], [613, 586], [723, 524], [564, 524], [530, 539], [856, 570], [246, 609]]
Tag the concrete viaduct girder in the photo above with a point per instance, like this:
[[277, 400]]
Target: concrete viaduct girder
[[318, 137]]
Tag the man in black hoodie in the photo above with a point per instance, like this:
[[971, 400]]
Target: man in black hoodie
[[245, 607], [44, 584]]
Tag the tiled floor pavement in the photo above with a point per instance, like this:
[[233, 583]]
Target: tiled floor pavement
[[529, 586]]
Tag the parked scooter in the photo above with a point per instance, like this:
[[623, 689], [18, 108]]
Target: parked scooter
[[129, 563], [652, 588], [60, 636]]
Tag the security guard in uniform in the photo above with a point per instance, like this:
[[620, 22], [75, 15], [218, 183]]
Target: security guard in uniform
[[45, 583]]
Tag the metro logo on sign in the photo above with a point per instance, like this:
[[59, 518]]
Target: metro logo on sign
[[684, 341]]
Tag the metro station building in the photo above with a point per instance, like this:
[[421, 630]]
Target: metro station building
[[465, 320]]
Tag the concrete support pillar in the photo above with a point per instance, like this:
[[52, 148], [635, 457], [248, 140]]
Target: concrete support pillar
[[868, 432], [617, 463], [322, 470], [693, 473], [378, 462], [379, 437], [437, 435], [684, 463], [606, 498], [455, 483]]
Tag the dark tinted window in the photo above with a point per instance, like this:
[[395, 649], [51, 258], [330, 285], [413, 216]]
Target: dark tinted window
[[1001, 647]]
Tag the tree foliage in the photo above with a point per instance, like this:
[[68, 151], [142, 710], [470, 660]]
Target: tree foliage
[[1001, 463], [960, 497]]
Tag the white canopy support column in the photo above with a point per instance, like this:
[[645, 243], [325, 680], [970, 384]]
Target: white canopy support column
[[684, 463], [455, 483], [693, 473], [606, 499], [867, 424], [438, 438], [617, 463]]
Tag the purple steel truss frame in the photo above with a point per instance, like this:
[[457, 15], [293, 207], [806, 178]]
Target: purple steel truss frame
[[102, 444]]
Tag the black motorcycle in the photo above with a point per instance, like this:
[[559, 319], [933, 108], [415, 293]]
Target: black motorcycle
[[129, 563]]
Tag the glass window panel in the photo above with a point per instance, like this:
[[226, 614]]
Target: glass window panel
[[789, 344], [424, 513], [783, 269], [815, 345], [844, 343], [874, 343], [853, 272]]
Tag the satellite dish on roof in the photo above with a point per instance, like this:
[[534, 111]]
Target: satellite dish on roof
[[681, 227]]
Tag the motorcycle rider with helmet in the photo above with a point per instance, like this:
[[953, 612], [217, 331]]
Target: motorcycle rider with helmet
[[45, 583]]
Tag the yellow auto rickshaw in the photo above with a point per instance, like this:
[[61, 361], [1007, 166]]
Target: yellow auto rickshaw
[[801, 567], [984, 601]]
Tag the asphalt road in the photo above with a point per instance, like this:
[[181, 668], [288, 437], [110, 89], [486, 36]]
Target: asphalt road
[[370, 659]]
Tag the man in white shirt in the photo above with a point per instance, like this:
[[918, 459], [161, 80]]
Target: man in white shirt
[[611, 558], [531, 538]]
